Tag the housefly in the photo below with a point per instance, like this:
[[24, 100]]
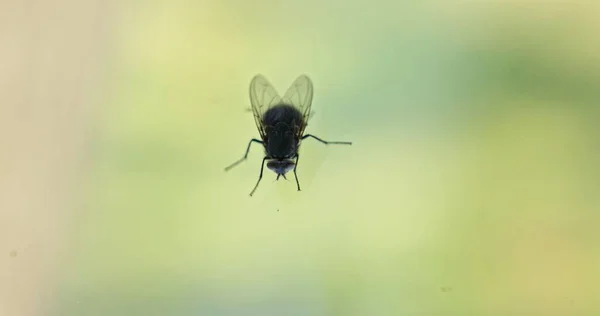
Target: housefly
[[281, 122]]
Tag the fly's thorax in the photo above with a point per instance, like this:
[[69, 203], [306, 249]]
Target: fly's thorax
[[281, 144], [282, 123]]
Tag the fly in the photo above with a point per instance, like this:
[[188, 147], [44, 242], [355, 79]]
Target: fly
[[281, 122]]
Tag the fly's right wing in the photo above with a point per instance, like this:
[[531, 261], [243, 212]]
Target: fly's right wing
[[300, 95], [262, 97]]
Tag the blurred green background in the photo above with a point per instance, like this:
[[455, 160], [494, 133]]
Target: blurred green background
[[471, 187]]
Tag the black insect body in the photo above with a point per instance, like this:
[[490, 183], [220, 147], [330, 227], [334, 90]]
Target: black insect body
[[281, 123]]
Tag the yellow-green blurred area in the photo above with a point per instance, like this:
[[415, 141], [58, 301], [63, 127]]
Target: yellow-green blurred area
[[471, 187]]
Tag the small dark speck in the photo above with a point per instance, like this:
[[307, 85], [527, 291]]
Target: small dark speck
[[277, 210], [13, 253], [446, 289]]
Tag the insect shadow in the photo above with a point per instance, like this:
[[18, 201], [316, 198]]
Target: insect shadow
[[281, 122]]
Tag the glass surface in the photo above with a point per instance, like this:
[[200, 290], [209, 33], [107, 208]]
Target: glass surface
[[471, 187]]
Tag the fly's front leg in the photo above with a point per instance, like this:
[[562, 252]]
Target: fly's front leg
[[262, 166], [295, 175]]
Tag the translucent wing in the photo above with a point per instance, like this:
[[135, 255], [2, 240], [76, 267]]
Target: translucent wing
[[262, 97], [300, 95]]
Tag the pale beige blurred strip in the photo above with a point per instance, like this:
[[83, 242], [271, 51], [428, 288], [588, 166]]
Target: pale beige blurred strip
[[51, 56]]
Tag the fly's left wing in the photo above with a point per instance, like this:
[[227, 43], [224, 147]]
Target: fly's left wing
[[262, 97], [300, 95]]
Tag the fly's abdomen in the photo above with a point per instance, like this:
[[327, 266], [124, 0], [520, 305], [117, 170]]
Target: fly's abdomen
[[283, 113]]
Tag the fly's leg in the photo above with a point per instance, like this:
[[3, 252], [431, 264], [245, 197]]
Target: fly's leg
[[324, 141], [295, 175], [254, 140], [259, 176]]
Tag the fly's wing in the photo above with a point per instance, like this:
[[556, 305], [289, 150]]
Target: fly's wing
[[300, 95], [262, 97]]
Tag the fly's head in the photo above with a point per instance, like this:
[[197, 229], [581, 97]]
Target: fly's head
[[281, 167]]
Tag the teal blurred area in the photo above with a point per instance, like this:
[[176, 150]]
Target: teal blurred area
[[471, 187]]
